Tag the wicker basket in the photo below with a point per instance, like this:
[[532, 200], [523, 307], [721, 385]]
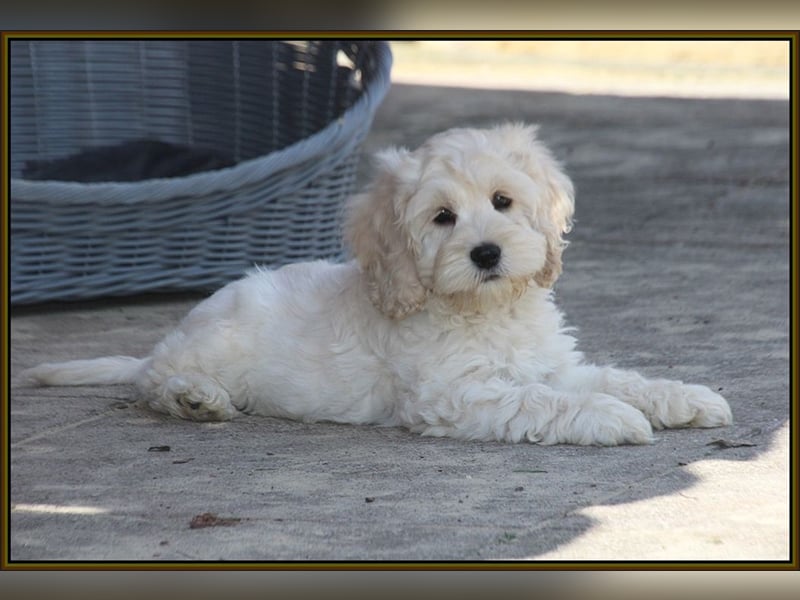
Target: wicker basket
[[292, 116]]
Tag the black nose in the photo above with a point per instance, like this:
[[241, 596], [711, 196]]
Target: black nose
[[486, 256]]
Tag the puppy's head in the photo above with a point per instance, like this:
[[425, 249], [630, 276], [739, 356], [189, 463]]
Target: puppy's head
[[473, 215]]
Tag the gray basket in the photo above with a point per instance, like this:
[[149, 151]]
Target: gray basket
[[292, 115]]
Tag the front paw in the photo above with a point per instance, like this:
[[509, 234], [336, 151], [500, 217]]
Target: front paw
[[709, 408], [674, 404], [606, 421]]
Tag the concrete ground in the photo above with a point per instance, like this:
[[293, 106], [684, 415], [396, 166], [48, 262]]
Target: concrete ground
[[678, 267]]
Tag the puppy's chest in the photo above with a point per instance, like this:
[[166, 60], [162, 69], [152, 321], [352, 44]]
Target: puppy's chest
[[514, 351]]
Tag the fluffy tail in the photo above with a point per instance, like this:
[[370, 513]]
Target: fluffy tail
[[97, 371]]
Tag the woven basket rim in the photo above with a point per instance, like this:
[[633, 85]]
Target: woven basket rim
[[335, 134]]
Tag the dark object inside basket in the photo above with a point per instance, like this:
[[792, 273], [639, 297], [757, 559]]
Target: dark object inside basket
[[129, 161]]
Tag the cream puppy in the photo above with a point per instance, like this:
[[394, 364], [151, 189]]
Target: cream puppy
[[444, 323]]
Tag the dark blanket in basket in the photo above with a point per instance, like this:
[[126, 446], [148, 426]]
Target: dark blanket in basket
[[130, 161]]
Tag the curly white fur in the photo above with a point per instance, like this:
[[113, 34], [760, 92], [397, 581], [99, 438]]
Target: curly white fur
[[443, 324]]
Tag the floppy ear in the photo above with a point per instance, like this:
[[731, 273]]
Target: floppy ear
[[554, 217], [560, 202], [376, 235]]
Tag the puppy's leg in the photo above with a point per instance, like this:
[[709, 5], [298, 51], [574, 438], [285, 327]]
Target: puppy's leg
[[185, 374], [498, 410], [666, 403]]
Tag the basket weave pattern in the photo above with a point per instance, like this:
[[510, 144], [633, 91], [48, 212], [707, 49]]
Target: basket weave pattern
[[292, 115]]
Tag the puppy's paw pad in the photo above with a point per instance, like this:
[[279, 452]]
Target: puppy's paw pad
[[198, 398]]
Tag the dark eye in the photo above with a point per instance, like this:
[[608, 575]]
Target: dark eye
[[445, 217], [500, 201]]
